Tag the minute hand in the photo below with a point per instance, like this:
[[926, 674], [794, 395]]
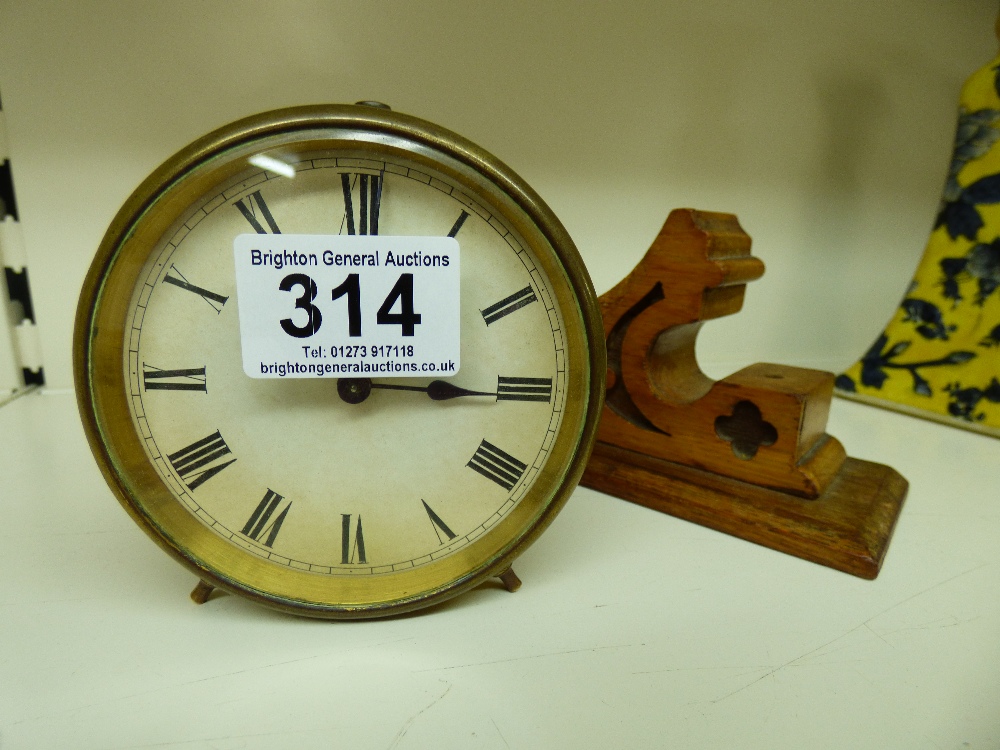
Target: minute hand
[[438, 390]]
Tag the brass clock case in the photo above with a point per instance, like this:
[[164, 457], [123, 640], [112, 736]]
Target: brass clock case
[[165, 200]]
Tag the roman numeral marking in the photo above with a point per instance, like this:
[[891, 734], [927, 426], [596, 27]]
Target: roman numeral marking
[[253, 205], [439, 525], [370, 198], [351, 551], [458, 223], [260, 522], [524, 389], [192, 463], [216, 301], [496, 465], [155, 379], [507, 305]]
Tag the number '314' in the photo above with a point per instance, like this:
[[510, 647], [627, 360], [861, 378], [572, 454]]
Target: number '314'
[[402, 291]]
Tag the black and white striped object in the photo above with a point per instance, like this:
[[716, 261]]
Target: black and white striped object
[[20, 353]]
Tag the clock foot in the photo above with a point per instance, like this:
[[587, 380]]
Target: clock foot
[[202, 592], [510, 580]]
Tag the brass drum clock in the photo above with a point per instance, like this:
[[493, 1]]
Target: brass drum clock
[[339, 360]]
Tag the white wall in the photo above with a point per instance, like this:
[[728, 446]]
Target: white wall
[[826, 127]]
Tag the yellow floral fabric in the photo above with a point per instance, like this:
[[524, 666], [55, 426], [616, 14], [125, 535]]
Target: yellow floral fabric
[[939, 357]]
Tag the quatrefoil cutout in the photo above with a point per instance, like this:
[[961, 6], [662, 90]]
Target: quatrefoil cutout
[[746, 430]]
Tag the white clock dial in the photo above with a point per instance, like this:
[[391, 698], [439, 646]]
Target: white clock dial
[[288, 469]]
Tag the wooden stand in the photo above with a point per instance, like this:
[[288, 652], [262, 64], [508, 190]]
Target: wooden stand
[[747, 455]]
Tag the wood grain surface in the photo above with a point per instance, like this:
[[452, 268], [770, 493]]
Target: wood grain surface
[[748, 454]]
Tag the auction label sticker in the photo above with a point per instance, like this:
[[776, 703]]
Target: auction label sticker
[[315, 306]]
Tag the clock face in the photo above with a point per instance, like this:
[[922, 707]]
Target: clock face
[[341, 495], [285, 467]]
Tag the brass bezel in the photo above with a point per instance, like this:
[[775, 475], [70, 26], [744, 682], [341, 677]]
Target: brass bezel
[[165, 196]]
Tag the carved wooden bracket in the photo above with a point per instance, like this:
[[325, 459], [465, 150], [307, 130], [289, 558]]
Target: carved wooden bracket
[[759, 430]]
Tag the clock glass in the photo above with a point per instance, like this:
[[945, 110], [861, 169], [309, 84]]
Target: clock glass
[[358, 480]]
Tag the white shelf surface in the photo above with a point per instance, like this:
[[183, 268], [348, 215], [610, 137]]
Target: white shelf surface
[[632, 629]]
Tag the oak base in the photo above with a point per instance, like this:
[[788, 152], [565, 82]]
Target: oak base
[[848, 527]]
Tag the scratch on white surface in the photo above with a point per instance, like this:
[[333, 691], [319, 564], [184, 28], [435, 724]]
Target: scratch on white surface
[[942, 622], [17, 394], [21, 603], [877, 635], [525, 658], [217, 742], [865, 624], [409, 722], [863, 676], [751, 669], [504, 739], [379, 644], [928, 589], [245, 671], [47, 533], [172, 686], [770, 672]]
